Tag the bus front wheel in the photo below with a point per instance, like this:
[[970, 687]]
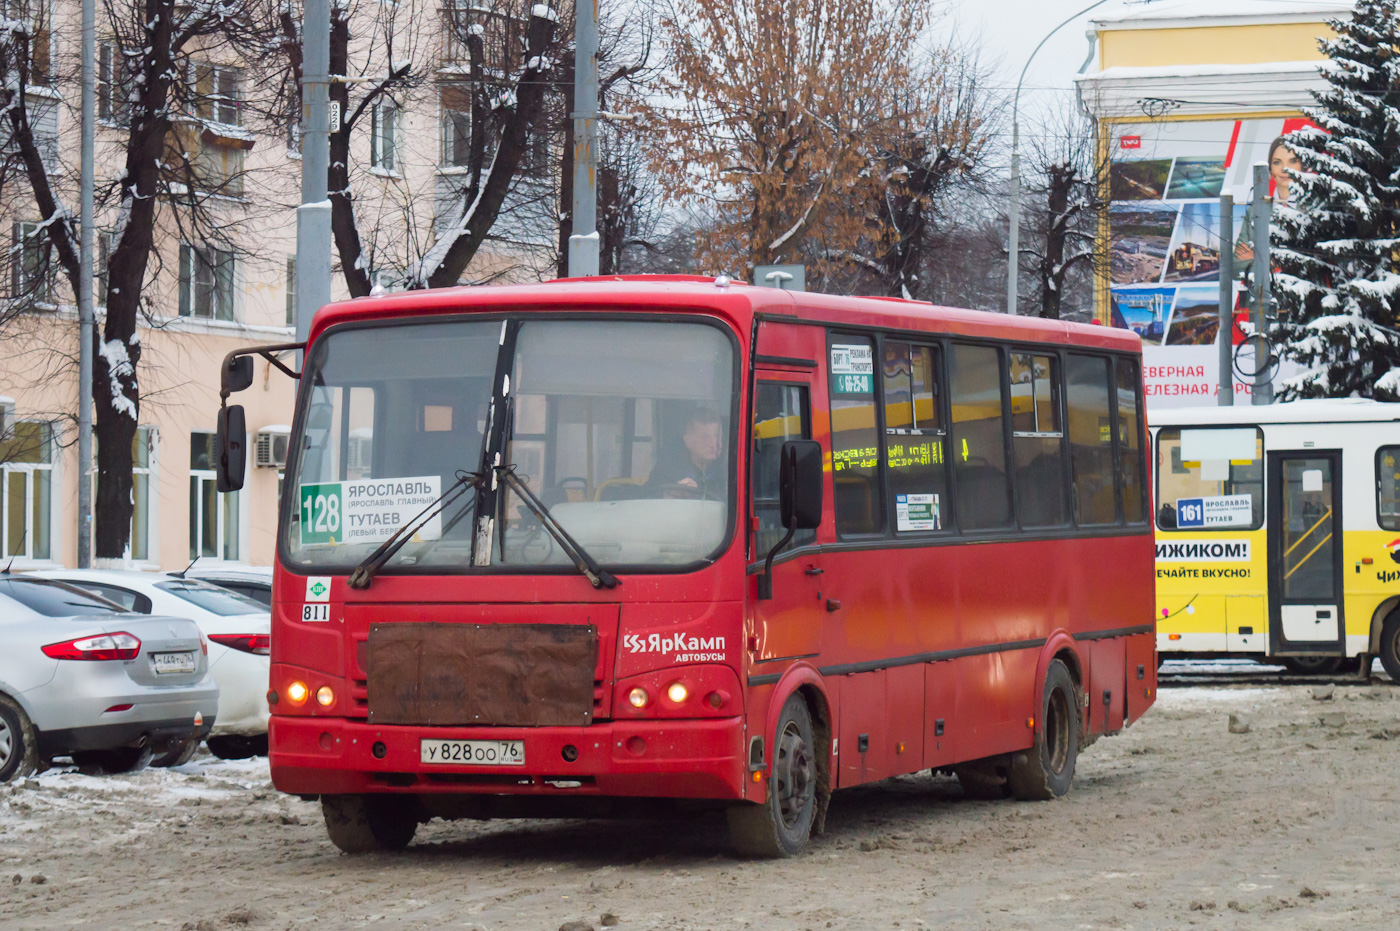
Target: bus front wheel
[[370, 823], [782, 824], [1390, 646], [1046, 770]]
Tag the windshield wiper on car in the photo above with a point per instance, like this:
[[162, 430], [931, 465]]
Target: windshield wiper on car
[[364, 573], [600, 577]]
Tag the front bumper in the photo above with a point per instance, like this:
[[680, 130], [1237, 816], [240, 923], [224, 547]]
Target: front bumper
[[701, 759]]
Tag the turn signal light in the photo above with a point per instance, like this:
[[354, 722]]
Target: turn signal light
[[325, 697], [677, 692], [1173, 636], [107, 646], [297, 693], [638, 697]]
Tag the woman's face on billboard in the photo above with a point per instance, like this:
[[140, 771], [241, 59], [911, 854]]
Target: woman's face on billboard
[[1279, 163]]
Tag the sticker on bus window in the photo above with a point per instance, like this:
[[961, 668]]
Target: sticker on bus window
[[1216, 511], [367, 510], [916, 512], [852, 369]]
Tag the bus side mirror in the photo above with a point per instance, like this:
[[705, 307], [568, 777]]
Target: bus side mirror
[[231, 447], [800, 484], [237, 374]]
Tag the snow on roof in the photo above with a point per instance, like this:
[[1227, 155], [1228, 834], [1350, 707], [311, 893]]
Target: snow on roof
[[1188, 13]]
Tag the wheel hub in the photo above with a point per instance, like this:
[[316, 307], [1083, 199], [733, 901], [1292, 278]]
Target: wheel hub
[[6, 743], [792, 775]]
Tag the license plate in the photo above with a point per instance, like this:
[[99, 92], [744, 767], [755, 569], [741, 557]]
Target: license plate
[[473, 752], [174, 662]]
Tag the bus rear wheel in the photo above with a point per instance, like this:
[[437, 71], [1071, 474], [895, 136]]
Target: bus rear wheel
[[1046, 770], [782, 824], [1390, 646], [370, 823], [1311, 665]]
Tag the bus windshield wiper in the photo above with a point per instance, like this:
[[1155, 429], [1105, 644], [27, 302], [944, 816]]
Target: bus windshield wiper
[[600, 577], [364, 573]]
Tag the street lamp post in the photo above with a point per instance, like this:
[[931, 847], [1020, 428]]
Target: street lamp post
[[1013, 243]]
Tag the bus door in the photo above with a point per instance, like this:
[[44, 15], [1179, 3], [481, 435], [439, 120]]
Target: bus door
[[1305, 553], [787, 626]]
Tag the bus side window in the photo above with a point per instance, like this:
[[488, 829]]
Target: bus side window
[[1388, 487], [1091, 439], [979, 438], [855, 445], [914, 435], [1130, 456], [1037, 439], [781, 413], [1215, 469]]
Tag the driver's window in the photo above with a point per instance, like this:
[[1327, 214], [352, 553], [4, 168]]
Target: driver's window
[[781, 413]]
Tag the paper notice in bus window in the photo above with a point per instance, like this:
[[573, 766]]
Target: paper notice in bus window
[[1217, 511], [916, 512], [852, 369], [367, 510]]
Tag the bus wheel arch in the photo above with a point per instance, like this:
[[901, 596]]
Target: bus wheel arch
[[1385, 636], [806, 681], [1060, 646]]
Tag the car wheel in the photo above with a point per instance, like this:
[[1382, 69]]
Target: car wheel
[[234, 746], [112, 762], [19, 755], [370, 823], [177, 754], [782, 824], [1390, 647], [1311, 665], [1046, 770]]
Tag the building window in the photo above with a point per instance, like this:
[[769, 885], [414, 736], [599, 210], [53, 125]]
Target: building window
[[35, 15], [206, 283], [26, 468], [142, 446], [219, 94], [291, 290], [384, 127], [113, 92], [456, 133], [31, 270], [213, 516]]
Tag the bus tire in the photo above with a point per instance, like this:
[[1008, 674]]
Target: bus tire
[[982, 782], [781, 825], [1046, 770], [1390, 646], [370, 823], [19, 751], [1311, 665]]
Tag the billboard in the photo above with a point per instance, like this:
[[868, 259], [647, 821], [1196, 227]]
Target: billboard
[[1165, 180]]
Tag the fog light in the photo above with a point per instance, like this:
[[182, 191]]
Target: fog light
[[379, 750], [715, 699], [638, 697], [677, 692], [297, 693], [569, 753], [325, 697]]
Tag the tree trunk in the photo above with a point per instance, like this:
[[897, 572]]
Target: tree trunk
[[1059, 184]]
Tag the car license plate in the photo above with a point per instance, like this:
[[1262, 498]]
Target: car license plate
[[174, 662], [473, 752]]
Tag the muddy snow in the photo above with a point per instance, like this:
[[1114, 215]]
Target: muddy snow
[[1177, 822]]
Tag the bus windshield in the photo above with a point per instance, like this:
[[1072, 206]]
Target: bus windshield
[[622, 429]]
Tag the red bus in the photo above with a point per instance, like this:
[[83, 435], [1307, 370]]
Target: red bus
[[547, 548]]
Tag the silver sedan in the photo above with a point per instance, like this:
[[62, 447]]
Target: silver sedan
[[81, 677]]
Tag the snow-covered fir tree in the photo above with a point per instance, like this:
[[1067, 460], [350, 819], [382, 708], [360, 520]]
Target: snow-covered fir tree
[[1336, 245]]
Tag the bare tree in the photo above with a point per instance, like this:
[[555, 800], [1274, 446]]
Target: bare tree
[[782, 107], [175, 103], [1061, 248]]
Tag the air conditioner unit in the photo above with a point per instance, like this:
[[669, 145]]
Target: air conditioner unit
[[270, 447]]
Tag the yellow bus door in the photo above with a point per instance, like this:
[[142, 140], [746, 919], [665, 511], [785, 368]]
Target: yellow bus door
[[1305, 552]]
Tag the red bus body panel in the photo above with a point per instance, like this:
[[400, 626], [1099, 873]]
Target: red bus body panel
[[926, 656]]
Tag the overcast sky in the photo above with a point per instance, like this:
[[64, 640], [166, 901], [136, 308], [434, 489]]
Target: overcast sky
[[1009, 30]]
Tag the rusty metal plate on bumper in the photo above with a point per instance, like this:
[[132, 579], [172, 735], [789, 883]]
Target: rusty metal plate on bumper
[[521, 675]]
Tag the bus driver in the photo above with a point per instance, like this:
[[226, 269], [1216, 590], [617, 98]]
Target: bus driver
[[700, 468]]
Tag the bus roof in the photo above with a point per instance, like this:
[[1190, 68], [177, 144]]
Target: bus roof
[[1323, 410], [736, 300]]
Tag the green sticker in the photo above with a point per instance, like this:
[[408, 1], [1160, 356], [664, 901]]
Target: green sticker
[[321, 512]]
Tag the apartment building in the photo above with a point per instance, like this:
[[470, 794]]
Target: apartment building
[[225, 281]]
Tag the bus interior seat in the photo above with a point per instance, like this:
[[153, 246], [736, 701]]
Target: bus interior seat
[[982, 497]]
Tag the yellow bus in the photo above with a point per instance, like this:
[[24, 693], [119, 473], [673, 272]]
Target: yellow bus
[[1278, 533]]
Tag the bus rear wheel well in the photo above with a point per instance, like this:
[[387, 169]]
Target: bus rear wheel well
[[1378, 618], [822, 732], [1076, 673]]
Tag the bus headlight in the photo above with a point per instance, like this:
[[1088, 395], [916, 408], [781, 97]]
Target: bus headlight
[[677, 693], [325, 697], [297, 693], [638, 697]]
